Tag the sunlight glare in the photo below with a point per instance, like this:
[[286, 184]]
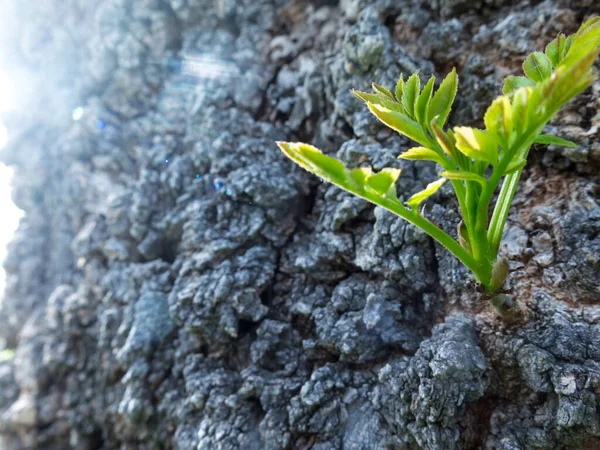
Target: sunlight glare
[[206, 66], [77, 113], [10, 218], [3, 136], [7, 89], [10, 215]]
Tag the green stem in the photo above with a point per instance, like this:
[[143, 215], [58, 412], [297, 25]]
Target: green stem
[[486, 195], [500, 214], [482, 274], [461, 191], [471, 206], [467, 202]]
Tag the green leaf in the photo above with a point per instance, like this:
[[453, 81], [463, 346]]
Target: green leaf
[[383, 90], [313, 160], [421, 154], [535, 103], [400, 88], [537, 67], [552, 52], [594, 21], [584, 43], [555, 50], [423, 101], [360, 175], [420, 197], [586, 31], [514, 166], [572, 77], [519, 109], [565, 46], [411, 92], [477, 144], [548, 139], [443, 139], [511, 84], [498, 117], [334, 171], [441, 102], [466, 176], [383, 182], [367, 97], [378, 99], [400, 123]]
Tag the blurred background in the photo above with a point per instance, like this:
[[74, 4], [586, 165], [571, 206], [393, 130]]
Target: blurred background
[[175, 283], [8, 104]]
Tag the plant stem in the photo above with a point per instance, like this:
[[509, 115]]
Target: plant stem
[[463, 194], [500, 214], [486, 196], [482, 274], [470, 220]]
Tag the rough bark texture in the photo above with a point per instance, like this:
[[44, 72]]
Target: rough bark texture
[[176, 283]]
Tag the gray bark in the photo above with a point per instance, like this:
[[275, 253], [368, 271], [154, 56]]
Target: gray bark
[[176, 283]]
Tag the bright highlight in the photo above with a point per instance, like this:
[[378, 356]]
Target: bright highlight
[[10, 219]]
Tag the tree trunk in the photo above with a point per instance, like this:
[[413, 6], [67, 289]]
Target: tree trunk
[[176, 283]]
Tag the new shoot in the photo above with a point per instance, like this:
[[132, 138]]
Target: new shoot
[[476, 162]]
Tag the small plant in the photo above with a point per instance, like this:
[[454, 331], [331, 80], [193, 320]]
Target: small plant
[[474, 161]]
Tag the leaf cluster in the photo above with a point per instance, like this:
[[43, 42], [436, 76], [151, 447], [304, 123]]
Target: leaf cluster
[[475, 161]]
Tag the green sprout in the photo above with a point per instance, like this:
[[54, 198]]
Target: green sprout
[[474, 161]]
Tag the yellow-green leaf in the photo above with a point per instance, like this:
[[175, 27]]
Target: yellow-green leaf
[[378, 99], [537, 102], [460, 175], [583, 43], [519, 109], [594, 21], [512, 84], [383, 90], [498, 117], [477, 144], [422, 104], [537, 67], [313, 160], [411, 93], [548, 139], [400, 88], [360, 175], [443, 139], [572, 76], [400, 123], [366, 97], [441, 102], [555, 49], [423, 195], [421, 154], [360, 181], [383, 182]]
